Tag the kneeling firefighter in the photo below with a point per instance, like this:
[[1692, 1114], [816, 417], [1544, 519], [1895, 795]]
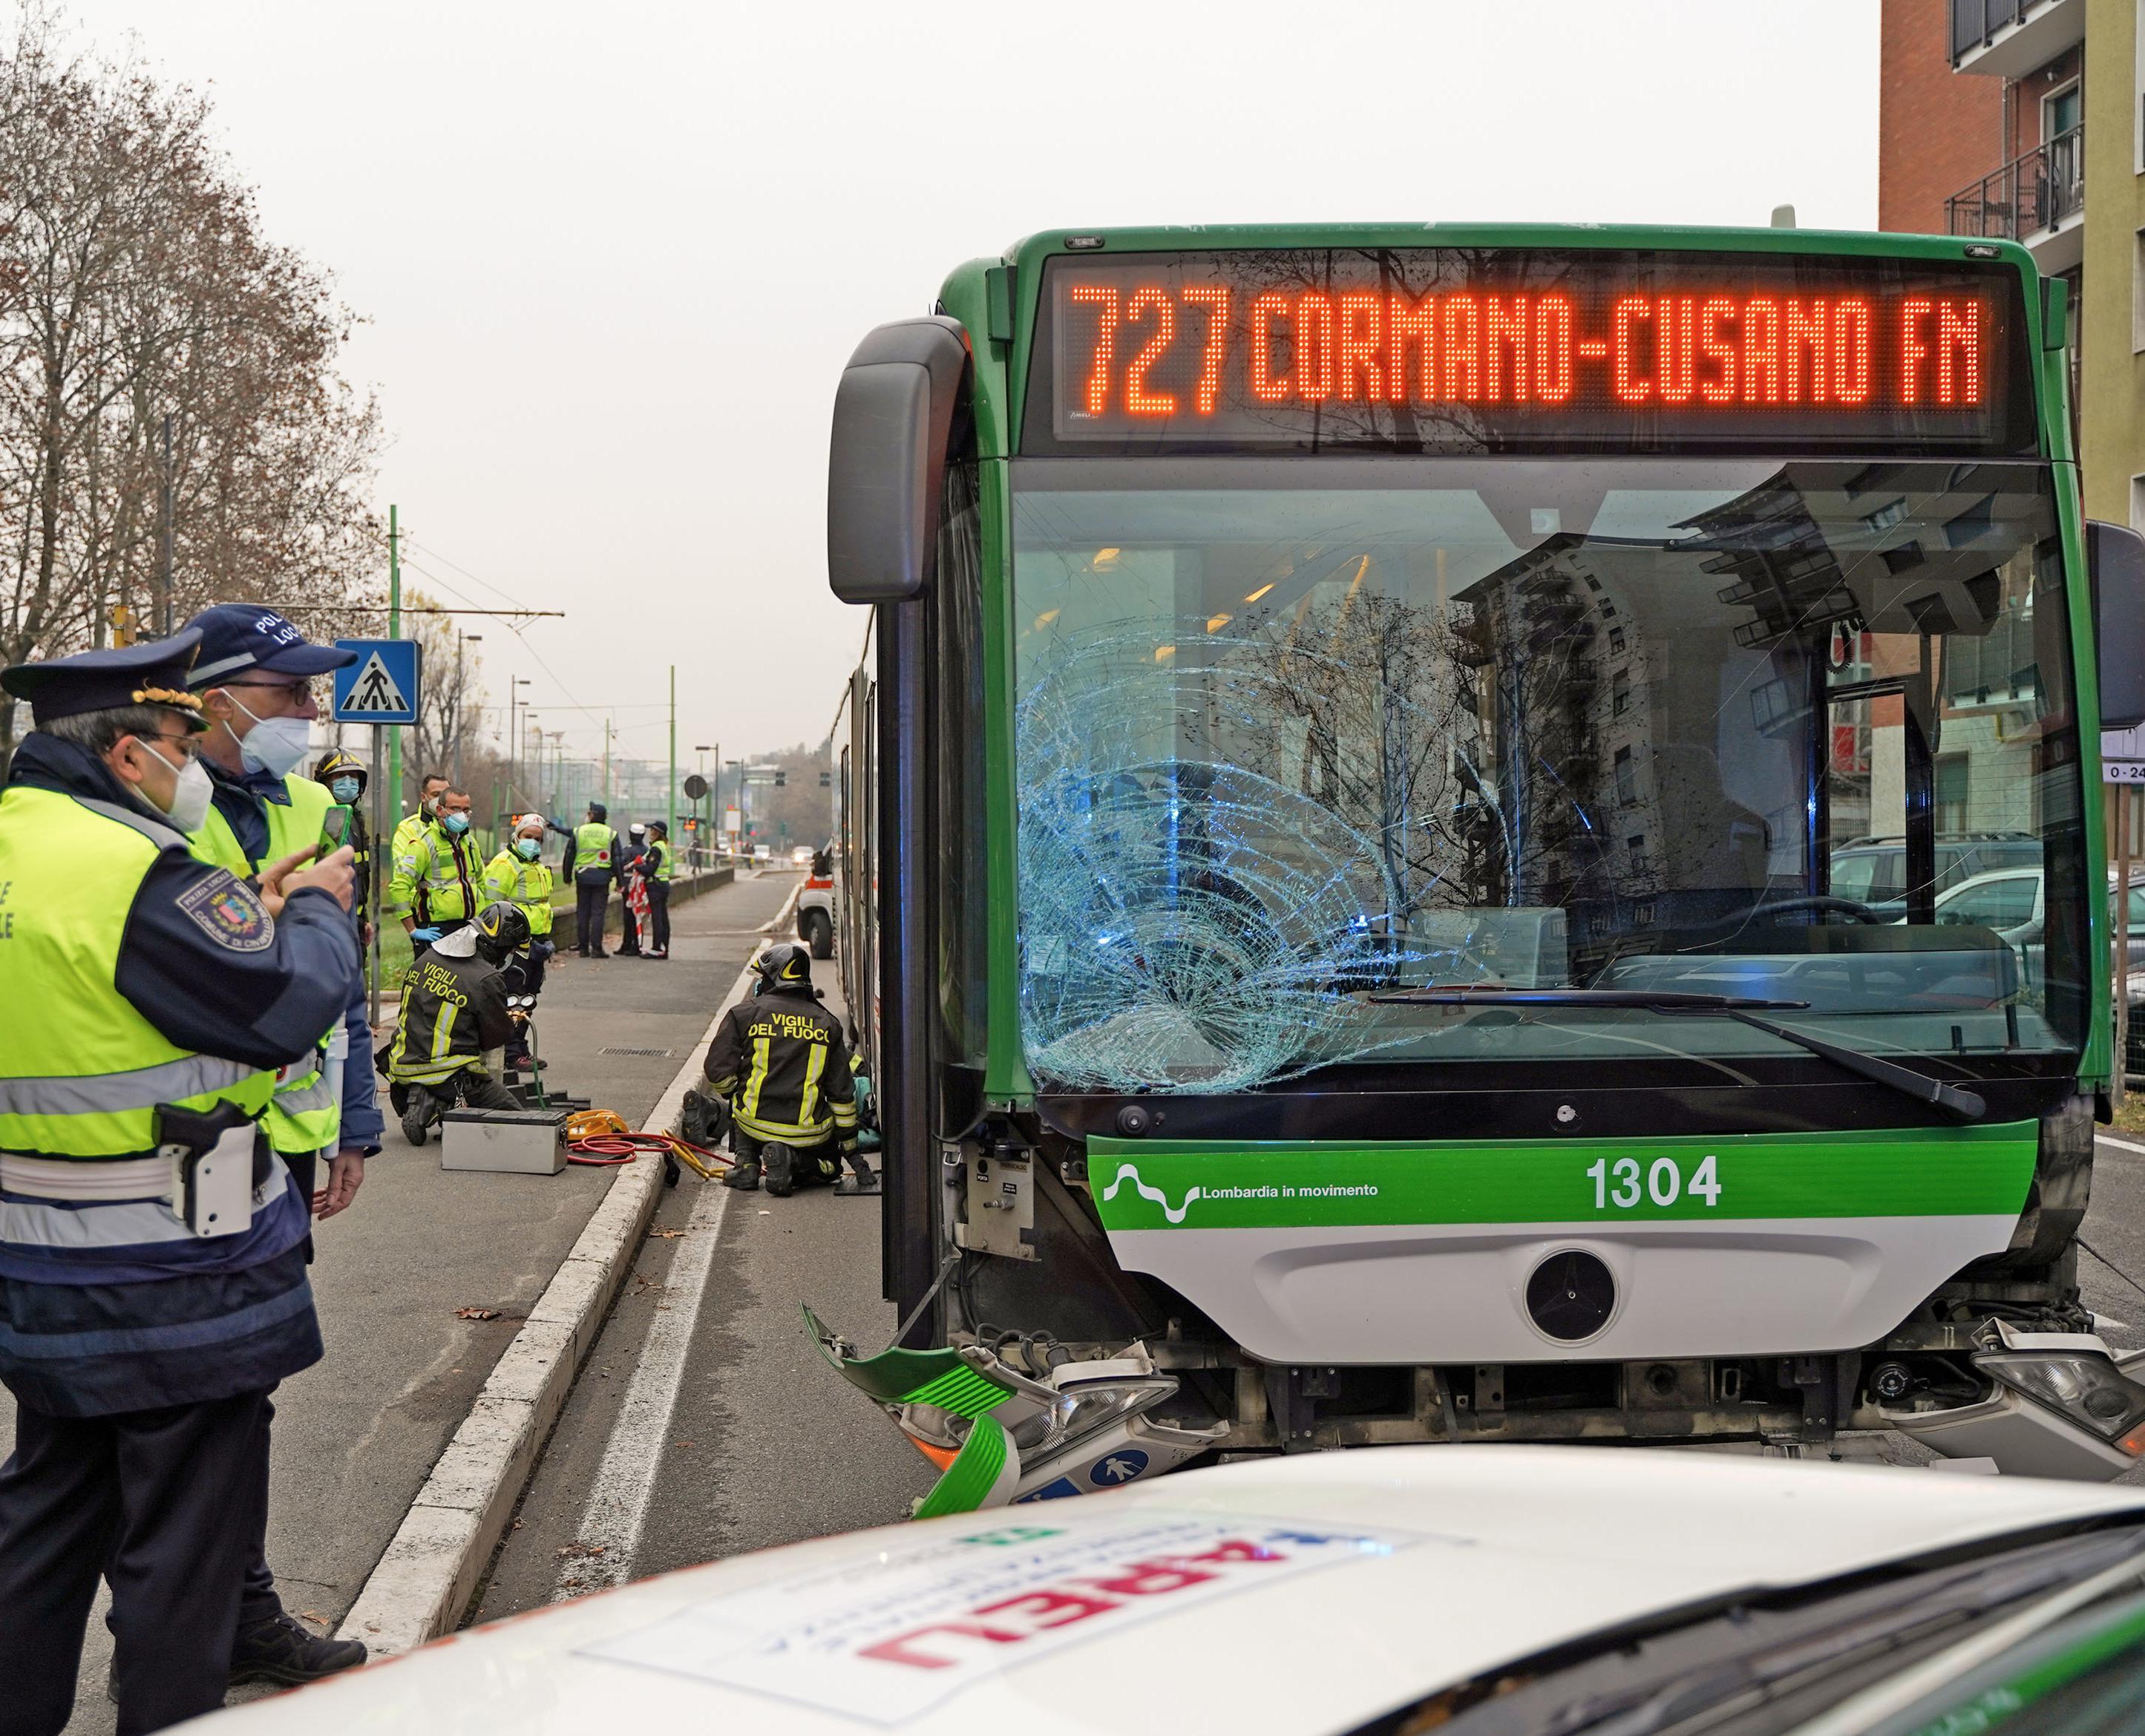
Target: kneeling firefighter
[[779, 1061], [451, 1041]]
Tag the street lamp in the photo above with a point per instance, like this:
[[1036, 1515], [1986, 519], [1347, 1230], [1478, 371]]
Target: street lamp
[[707, 794], [514, 687], [461, 639]]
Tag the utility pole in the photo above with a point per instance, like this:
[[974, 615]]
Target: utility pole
[[394, 631], [461, 691], [671, 838], [514, 684], [610, 728]]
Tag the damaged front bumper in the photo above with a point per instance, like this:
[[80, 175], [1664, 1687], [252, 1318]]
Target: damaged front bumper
[[2058, 1404], [999, 1433]]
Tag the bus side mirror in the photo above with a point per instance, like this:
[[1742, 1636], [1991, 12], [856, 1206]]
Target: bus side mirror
[[2115, 571], [893, 422]]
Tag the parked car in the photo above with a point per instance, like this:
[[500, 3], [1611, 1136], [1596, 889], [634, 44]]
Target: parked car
[[1519, 1590], [1872, 871], [815, 903]]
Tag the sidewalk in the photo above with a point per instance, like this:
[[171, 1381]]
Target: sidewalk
[[357, 1435]]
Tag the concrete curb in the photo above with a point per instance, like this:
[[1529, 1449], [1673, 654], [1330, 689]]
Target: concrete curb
[[418, 1588]]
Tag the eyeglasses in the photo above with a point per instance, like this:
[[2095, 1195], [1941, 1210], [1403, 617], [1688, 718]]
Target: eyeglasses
[[297, 692], [189, 743]]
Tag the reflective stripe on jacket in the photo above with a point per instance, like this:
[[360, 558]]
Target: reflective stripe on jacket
[[782, 1062], [437, 880], [509, 879], [453, 1011], [306, 1114], [592, 843]]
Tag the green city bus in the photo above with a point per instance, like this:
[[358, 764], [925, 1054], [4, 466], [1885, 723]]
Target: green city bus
[[1339, 818]]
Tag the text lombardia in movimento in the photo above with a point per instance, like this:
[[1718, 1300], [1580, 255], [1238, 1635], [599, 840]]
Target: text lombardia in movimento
[[1335, 1191]]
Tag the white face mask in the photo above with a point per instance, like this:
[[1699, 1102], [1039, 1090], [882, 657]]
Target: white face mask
[[273, 745], [189, 795]]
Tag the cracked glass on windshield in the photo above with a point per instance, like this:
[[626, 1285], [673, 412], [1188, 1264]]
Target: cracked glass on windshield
[[1294, 734]]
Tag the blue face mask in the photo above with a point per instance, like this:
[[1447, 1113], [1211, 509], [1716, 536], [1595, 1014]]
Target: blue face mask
[[456, 824], [344, 789], [527, 848]]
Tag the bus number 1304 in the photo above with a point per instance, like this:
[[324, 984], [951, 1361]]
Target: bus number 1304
[[1625, 1182]]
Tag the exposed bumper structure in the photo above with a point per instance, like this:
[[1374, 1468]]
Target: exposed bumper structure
[[2060, 1405], [1001, 1436]]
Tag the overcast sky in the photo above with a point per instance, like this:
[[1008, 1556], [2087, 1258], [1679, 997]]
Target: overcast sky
[[613, 257]]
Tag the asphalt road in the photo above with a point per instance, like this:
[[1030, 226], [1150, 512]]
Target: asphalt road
[[730, 1429], [356, 1435]]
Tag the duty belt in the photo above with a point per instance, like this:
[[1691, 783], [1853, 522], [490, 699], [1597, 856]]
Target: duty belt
[[47, 1178]]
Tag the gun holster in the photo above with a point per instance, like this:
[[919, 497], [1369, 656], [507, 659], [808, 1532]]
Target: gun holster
[[219, 1159]]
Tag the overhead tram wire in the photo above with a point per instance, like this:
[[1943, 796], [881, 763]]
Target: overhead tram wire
[[518, 632]]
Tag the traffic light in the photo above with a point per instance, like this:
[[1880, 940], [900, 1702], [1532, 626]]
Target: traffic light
[[826, 780], [781, 778]]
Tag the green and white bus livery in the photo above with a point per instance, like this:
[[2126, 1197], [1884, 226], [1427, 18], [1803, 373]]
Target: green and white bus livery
[[1337, 832]]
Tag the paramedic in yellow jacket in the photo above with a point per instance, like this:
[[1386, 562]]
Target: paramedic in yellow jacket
[[518, 876]]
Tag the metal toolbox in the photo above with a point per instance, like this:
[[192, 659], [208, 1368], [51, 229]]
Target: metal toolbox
[[521, 1141]]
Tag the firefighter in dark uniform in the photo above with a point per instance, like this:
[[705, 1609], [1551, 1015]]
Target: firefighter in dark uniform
[[780, 1062], [455, 1022], [152, 1246]]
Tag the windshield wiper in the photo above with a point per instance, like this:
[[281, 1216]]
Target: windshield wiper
[[1966, 1105]]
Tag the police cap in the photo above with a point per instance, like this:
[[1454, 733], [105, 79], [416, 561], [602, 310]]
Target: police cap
[[240, 636], [154, 673]]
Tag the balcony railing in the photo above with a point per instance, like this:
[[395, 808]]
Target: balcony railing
[[2035, 192], [1974, 22]]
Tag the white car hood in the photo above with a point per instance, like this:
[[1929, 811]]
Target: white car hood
[[1298, 1595]]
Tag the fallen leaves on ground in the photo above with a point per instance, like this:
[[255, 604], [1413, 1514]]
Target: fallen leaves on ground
[[476, 1314]]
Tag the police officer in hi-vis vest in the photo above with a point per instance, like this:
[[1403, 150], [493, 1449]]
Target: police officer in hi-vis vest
[[152, 1246], [593, 864], [255, 675]]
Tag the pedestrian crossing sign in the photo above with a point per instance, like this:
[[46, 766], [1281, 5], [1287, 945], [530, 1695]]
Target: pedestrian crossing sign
[[381, 687]]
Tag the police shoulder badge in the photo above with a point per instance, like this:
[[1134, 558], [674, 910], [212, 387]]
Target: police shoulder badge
[[230, 912]]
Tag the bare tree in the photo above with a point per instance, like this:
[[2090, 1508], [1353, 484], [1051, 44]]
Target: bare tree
[[138, 293]]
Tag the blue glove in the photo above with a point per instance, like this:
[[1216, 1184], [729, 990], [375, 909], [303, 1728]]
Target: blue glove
[[427, 935]]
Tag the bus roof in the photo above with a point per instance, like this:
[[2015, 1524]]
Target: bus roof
[[1176, 237]]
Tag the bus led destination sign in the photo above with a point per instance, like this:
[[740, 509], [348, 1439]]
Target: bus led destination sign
[[1474, 349]]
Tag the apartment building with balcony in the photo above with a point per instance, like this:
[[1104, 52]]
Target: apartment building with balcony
[[2024, 120]]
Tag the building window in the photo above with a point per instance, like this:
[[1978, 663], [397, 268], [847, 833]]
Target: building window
[[1951, 792], [2061, 110], [1616, 641], [1620, 693], [2136, 293], [1627, 777], [1636, 844]]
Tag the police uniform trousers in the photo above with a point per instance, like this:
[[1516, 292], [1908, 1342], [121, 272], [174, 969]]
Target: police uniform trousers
[[591, 906], [658, 915], [628, 939], [168, 1505]]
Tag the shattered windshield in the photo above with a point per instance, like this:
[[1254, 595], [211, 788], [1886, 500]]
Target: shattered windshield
[[1293, 735]]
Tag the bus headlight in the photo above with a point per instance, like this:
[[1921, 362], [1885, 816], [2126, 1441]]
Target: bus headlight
[[1089, 1405], [2085, 1387]]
